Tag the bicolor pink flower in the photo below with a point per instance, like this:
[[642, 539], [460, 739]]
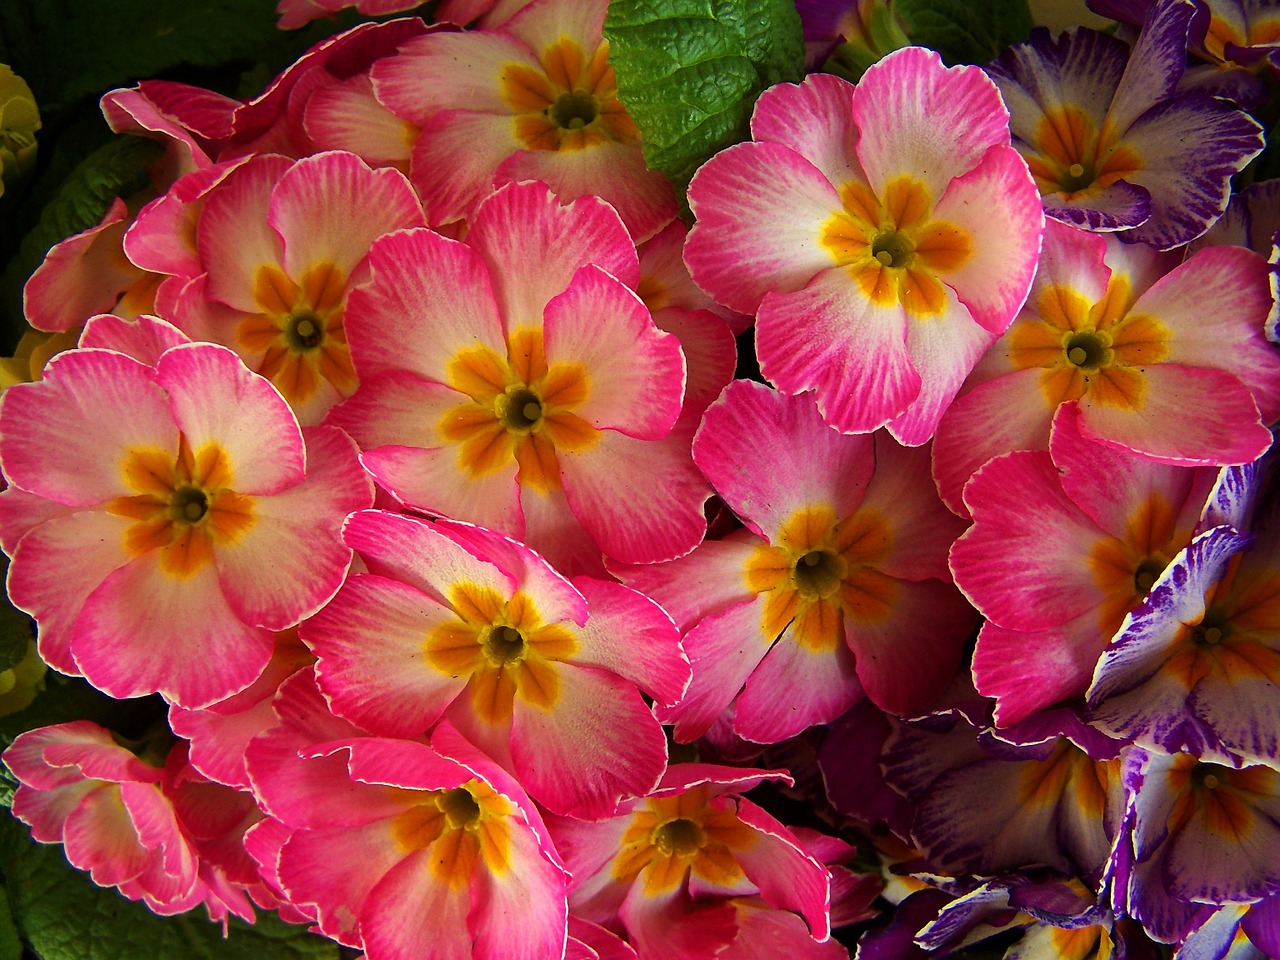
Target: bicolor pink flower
[[164, 521], [534, 98], [518, 382], [694, 841], [1064, 544], [278, 245], [1166, 359], [543, 674], [884, 236], [80, 788], [424, 853], [1112, 142], [298, 13], [838, 586]]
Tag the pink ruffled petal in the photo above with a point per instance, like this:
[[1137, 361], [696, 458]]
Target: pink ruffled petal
[[925, 120], [809, 462], [1010, 563], [454, 160], [144, 339], [629, 635], [534, 244], [291, 560], [68, 436], [430, 299], [815, 119], [598, 745], [788, 877], [409, 907], [216, 399], [208, 653], [635, 372], [641, 500], [761, 208], [853, 355], [330, 207], [372, 669], [997, 204]]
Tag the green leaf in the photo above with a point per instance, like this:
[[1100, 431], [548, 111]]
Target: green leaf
[[70, 698], [10, 945], [965, 32], [689, 71], [63, 915]]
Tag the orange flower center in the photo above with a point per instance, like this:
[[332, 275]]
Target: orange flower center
[[462, 825], [184, 506], [1069, 155]]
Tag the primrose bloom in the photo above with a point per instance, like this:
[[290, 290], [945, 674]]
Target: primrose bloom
[[839, 585], [517, 381], [1195, 667], [278, 245], [533, 98], [1202, 833], [694, 839], [884, 236], [80, 788], [1063, 545], [1111, 140], [1166, 359], [540, 673], [164, 521], [424, 853]]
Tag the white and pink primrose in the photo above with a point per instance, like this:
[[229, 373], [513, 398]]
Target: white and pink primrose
[[884, 236], [79, 787], [694, 841], [421, 853], [533, 98], [518, 382], [452, 621], [838, 586], [1064, 544], [1168, 359], [163, 521], [278, 245]]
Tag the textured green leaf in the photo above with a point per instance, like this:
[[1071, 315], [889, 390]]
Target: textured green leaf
[[965, 32], [10, 944], [63, 915], [689, 71]]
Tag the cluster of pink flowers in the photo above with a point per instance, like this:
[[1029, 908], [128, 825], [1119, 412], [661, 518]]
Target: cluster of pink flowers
[[401, 454]]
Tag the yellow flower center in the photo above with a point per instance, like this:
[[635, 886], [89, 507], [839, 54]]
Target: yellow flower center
[[460, 825], [570, 104], [505, 649], [1070, 156], [895, 249], [184, 506], [299, 333]]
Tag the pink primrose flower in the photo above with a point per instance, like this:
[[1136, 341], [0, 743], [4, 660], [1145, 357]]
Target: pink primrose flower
[[839, 585], [425, 853], [1064, 544], [80, 788], [278, 245], [164, 521], [693, 842], [518, 382], [543, 674], [1169, 360], [533, 98], [884, 236]]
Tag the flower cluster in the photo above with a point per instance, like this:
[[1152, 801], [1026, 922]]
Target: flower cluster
[[392, 444]]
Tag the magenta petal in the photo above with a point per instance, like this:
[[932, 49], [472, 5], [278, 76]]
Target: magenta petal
[[831, 339], [809, 462], [788, 877]]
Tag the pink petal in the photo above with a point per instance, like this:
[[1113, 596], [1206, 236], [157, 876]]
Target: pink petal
[[815, 119], [809, 463], [761, 208], [635, 372], [924, 120]]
